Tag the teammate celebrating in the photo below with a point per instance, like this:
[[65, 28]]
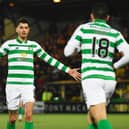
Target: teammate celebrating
[[97, 42], [20, 80]]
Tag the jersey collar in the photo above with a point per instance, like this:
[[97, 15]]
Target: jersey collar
[[18, 40], [100, 20]]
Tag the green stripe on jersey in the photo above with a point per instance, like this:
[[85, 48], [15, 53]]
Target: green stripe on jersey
[[64, 68], [57, 64], [95, 68], [20, 59], [43, 56], [96, 61], [21, 51], [20, 83], [78, 38], [50, 60], [20, 67], [119, 42], [22, 45], [98, 24], [25, 75], [86, 51], [87, 41]]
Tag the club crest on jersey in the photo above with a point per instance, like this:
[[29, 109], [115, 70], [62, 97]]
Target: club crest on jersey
[[24, 54]]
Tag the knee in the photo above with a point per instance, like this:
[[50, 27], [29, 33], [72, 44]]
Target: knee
[[98, 112], [28, 117], [98, 116], [12, 120]]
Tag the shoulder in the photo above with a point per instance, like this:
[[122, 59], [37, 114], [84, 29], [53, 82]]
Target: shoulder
[[116, 32], [84, 26], [81, 27], [32, 42], [7, 42], [10, 41]]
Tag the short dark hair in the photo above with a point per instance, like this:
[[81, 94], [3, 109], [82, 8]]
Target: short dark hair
[[100, 10], [23, 20]]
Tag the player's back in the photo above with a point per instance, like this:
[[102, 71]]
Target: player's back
[[98, 42]]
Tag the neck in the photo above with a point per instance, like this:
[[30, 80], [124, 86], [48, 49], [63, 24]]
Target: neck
[[22, 39]]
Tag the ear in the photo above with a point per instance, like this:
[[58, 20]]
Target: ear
[[92, 17], [107, 18], [16, 29]]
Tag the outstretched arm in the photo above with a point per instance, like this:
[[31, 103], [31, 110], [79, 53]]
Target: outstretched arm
[[56, 63]]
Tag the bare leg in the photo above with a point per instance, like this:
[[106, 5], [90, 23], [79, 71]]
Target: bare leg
[[28, 115], [29, 111]]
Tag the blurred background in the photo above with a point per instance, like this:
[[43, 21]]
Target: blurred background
[[53, 23]]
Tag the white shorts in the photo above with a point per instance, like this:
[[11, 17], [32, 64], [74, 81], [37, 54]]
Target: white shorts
[[16, 93], [97, 91]]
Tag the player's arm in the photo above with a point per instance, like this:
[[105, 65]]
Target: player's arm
[[57, 64], [122, 47], [73, 45]]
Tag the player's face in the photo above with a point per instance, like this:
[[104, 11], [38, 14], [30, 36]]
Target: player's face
[[23, 30]]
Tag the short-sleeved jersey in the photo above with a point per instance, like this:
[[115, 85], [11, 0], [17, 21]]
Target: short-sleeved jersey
[[97, 42], [21, 61]]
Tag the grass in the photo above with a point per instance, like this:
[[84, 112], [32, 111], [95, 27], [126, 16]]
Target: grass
[[66, 121]]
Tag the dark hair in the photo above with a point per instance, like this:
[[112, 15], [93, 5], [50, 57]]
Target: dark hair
[[100, 10], [23, 20]]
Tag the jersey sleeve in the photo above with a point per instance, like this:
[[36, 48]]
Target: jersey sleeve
[[41, 53], [73, 45], [122, 46], [4, 49]]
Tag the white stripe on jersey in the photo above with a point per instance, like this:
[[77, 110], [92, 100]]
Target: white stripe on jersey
[[46, 58], [20, 63], [53, 62], [60, 66], [93, 72], [97, 65], [19, 56], [20, 71], [19, 85], [20, 79]]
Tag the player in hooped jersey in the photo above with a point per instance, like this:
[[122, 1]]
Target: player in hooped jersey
[[97, 42], [20, 79]]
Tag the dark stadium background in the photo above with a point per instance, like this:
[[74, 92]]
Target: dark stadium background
[[52, 25]]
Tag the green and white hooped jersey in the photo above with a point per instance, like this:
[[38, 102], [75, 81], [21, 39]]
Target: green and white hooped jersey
[[97, 42], [21, 61]]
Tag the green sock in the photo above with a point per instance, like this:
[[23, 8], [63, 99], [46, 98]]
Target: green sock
[[29, 125], [104, 124], [92, 126], [20, 110], [10, 125]]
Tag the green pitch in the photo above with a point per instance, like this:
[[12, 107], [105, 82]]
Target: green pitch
[[66, 121]]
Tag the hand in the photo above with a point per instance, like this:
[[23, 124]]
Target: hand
[[75, 74]]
